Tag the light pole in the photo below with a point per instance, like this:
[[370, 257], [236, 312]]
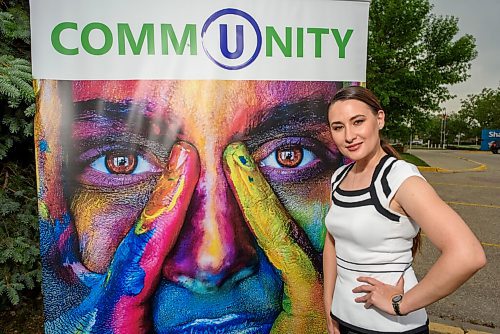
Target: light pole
[[444, 131]]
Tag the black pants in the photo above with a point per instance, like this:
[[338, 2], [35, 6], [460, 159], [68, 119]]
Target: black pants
[[345, 330], [348, 330]]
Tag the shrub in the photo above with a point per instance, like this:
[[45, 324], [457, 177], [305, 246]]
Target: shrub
[[20, 265]]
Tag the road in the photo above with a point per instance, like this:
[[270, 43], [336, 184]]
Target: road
[[473, 192]]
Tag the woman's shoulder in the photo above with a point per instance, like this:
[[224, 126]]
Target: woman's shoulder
[[404, 167], [398, 171]]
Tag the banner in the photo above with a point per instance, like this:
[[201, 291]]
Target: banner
[[184, 160], [488, 136]]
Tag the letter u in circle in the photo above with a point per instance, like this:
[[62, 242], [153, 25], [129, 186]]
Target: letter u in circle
[[224, 38]]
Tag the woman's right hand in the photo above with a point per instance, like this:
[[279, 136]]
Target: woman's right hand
[[332, 326]]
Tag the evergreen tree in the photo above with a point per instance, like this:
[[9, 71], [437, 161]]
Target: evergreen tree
[[20, 268]]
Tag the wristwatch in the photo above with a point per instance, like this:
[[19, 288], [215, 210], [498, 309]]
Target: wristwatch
[[396, 300]]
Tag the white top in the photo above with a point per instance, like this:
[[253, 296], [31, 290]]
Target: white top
[[372, 240]]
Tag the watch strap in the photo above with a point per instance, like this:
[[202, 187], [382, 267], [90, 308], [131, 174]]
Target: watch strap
[[395, 304]]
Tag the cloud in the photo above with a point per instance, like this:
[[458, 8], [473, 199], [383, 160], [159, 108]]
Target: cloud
[[479, 19]]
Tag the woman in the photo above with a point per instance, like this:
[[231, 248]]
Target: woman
[[378, 206]]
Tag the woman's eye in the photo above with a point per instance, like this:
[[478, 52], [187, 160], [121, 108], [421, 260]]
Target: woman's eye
[[292, 156], [122, 163], [358, 121]]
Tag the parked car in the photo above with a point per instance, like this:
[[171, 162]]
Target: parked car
[[494, 147]]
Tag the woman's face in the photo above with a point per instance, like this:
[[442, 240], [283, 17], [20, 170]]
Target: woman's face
[[355, 128], [122, 135]]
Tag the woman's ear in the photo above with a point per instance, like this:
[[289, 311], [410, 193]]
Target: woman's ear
[[381, 119]]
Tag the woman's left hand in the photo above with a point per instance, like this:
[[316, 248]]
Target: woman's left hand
[[378, 293]]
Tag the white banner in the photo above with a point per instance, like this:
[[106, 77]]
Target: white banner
[[199, 39]]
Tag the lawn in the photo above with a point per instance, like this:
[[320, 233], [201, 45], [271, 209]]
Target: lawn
[[413, 159]]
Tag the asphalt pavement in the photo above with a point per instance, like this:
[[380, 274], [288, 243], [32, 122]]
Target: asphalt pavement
[[469, 181]]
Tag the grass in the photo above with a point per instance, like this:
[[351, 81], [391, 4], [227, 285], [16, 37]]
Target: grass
[[413, 159]]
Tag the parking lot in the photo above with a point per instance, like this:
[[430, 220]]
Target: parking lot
[[470, 183]]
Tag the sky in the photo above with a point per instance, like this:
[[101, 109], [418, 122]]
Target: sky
[[481, 19]]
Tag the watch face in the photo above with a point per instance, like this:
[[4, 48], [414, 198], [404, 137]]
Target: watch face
[[397, 298]]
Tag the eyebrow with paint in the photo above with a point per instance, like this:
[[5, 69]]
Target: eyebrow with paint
[[300, 118], [125, 116]]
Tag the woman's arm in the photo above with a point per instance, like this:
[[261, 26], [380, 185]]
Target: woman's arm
[[329, 276], [461, 252]]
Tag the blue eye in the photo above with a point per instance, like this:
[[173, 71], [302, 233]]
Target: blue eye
[[122, 163], [290, 156]]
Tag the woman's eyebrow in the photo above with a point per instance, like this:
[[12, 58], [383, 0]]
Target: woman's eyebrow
[[350, 119]]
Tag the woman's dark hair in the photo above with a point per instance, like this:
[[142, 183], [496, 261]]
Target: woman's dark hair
[[366, 96]]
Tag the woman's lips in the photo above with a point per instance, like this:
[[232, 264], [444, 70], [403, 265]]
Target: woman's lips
[[353, 147]]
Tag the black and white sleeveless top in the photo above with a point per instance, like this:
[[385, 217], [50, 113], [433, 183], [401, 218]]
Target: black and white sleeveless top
[[372, 240]]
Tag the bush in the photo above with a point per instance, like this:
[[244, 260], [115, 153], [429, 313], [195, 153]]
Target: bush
[[20, 265]]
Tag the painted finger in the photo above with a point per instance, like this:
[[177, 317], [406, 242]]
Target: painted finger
[[284, 243], [58, 240], [138, 261]]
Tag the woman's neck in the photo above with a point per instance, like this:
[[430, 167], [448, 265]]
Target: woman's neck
[[368, 163]]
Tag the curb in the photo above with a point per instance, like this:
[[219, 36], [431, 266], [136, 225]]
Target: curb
[[445, 329], [442, 326], [480, 168]]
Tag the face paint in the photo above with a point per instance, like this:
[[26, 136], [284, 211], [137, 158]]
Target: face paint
[[118, 147]]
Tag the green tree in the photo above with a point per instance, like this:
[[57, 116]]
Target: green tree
[[20, 269], [481, 111], [413, 56], [432, 130]]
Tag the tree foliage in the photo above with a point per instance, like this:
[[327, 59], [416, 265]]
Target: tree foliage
[[413, 56], [16, 90], [20, 269], [20, 266], [481, 111]]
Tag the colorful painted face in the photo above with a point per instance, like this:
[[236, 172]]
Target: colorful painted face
[[218, 275], [355, 128]]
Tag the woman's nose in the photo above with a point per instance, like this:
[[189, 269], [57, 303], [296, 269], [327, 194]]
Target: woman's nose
[[349, 134], [215, 247]]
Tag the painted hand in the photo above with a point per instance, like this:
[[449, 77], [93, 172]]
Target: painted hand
[[284, 243], [378, 294], [118, 300]]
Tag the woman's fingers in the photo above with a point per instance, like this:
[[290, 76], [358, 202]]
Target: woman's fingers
[[363, 288]]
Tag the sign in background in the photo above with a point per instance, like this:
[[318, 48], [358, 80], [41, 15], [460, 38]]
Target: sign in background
[[184, 160], [488, 136]]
